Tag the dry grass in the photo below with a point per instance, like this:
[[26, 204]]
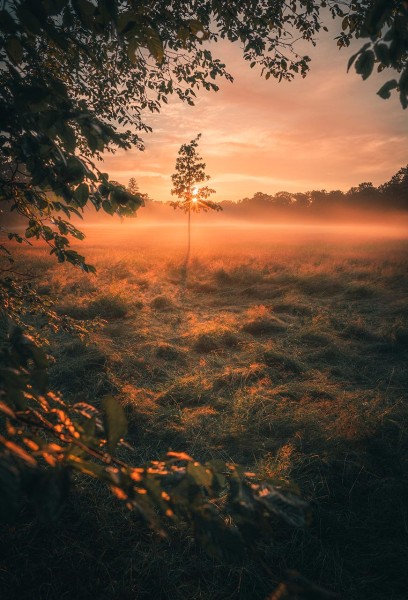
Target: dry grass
[[291, 359]]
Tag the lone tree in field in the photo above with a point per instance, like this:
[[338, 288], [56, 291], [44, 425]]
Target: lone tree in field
[[63, 62], [190, 171]]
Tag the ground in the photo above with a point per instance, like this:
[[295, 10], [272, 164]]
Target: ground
[[286, 352]]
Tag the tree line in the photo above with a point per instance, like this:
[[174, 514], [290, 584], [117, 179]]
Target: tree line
[[391, 196]]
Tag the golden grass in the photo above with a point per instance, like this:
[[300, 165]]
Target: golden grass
[[289, 358]]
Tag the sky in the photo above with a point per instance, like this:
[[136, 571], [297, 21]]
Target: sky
[[327, 131]]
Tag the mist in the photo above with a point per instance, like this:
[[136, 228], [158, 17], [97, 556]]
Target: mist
[[231, 236]]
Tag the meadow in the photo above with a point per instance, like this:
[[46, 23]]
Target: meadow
[[282, 349]]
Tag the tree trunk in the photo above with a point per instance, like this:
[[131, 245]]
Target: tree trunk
[[189, 237]]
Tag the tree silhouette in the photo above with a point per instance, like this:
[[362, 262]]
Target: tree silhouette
[[190, 171], [133, 186]]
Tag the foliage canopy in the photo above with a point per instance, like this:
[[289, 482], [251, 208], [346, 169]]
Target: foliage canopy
[[190, 171]]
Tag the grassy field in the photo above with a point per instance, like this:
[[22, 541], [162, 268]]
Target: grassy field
[[287, 353]]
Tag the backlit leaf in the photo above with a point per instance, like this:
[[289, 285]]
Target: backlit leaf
[[155, 45], [385, 90], [18, 451]]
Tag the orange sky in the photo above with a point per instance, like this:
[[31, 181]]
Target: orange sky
[[329, 130]]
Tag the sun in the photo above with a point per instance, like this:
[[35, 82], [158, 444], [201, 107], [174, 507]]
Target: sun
[[194, 193]]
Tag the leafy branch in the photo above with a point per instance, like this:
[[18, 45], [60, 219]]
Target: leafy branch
[[44, 440]]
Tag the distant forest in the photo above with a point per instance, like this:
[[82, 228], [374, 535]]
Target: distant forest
[[362, 201], [391, 196]]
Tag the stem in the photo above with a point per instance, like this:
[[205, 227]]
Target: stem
[[189, 236], [47, 426]]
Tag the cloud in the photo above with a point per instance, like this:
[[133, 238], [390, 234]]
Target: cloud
[[329, 131]]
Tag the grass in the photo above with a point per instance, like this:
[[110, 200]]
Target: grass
[[289, 358]]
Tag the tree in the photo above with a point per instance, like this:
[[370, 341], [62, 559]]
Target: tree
[[283, 199], [302, 200], [133, 186], [385, 24], [190, 171], [396, 190]]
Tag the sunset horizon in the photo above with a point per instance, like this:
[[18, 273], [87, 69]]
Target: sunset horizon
[[327, 131]]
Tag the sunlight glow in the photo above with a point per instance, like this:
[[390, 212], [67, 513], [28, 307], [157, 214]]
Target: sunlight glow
[[195, 192]]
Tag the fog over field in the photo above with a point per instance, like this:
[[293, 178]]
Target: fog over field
[[282, 347], [240, 236]]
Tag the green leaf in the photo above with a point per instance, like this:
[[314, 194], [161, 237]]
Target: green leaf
[[382, 53], [47, 233], [88, 268], [18, 451], [114, 420], [196, 26], [351, 61], [289, 507], [201, 475], [14, 49], [131, 51], [353, 58], [82, 194], [86, 10], [75, 170], [107, 207], [183, 34], [403, 82], [126, 21], [403, 100], [218, 539], [86, 466], [8, 24], [28, 19], [53, 7], [68, 135], [155, 45], [31, 232], [365, 64], [109, 10], [35, 94], [385, 91]]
